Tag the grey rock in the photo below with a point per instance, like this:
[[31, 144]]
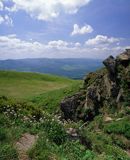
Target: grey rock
[[125, 56], [93, 93], [69, 106], [110, 64]]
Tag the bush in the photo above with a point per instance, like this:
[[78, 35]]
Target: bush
[[116, 152], [121, 141], [55, 131], [119, 127], [4, 121], [3, 134], [39, 150], [74, 150], [89, 155], [7, 152], [103, 156]]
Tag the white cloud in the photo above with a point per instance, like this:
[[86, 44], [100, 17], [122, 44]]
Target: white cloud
[[83, 30], [102, 40], [48, 9], [6, 20], [12, 47], [1, 6], [77, 44], [1, 19], [57, 44]]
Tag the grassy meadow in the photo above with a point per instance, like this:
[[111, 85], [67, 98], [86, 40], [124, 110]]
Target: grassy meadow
[[23, 85], [28, 103]]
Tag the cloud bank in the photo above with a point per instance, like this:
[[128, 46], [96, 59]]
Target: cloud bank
[[12, 47], [47, 9], [101, 40]]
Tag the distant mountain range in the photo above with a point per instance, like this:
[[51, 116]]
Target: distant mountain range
[[72, 68]]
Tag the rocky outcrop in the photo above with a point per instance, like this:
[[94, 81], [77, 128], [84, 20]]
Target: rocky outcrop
[[69, 106], [110, 64], [105, 88]]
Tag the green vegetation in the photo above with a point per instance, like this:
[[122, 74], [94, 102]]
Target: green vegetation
[[27, 85], [30, 112], [119, 127], [7, 150], [108, 146], [38, 114], [53, 142], [50, 101]]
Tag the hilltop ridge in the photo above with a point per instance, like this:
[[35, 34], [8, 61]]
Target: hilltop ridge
[[72, 68]]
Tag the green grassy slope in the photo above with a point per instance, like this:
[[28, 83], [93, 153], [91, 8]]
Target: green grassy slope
[[26, 85], [98, 140], [37, 99]]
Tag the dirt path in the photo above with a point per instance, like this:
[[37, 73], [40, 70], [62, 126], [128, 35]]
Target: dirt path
[[24, 144]]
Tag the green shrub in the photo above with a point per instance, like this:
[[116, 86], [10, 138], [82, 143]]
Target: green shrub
[[44, 149], [4, 121], [121, 141], [127, 110], [89, 155], [7, 152], [54, 130], [75, 150], [119, 127], [103, 156], [97, 123], [116, 152], [3, 134]]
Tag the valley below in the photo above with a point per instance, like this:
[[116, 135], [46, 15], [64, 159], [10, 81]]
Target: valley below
[[72, 68]]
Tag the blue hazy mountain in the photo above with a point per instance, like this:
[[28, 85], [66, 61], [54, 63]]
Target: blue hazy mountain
[[72, 68]]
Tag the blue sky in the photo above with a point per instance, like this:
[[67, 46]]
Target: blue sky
[[63, 28]]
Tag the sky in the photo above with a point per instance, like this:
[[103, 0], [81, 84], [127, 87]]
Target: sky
[[63, 28]]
